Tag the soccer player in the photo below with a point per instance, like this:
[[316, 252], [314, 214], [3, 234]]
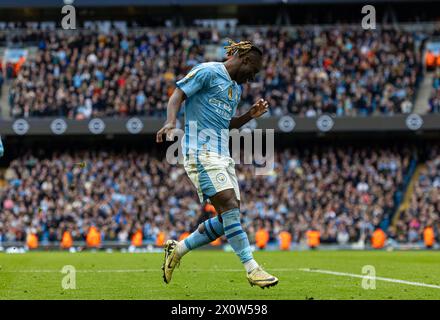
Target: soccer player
[[211, 92]]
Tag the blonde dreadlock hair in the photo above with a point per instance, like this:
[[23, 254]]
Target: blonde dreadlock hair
[[239, 48]]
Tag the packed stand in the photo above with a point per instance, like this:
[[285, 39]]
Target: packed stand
[[342, 192], [434, 101], [424, 207], [340, 71]]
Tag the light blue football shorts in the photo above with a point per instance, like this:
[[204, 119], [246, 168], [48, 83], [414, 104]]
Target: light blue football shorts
[[211, 173]]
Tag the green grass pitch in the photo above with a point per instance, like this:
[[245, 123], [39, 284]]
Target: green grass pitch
[[217, 275]]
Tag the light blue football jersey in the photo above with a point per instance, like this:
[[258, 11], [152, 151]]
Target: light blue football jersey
[[212, 99]]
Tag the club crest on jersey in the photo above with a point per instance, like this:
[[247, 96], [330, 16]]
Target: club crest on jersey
[[221, 178]]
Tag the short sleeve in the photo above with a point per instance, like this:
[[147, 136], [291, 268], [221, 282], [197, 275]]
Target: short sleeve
[[195, 80]]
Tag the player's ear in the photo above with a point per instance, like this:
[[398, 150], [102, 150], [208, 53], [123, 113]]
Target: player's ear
[[245, 59]]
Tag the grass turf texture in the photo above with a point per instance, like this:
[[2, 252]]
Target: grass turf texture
[[216, 275]]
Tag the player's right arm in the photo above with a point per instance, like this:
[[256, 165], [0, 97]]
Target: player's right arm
[[173, 108], [199, 77]]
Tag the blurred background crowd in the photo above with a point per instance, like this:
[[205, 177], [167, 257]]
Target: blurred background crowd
[[345, 193], [308, 71], [423, 209]]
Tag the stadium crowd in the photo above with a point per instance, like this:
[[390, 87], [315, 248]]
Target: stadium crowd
[[307, 71], [424, 208], [434, 102], [344, 192]]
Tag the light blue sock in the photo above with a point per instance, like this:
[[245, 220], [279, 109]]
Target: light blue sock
[[213, 229], [237, 238]]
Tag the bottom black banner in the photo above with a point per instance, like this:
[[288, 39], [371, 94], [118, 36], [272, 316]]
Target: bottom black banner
[[222, 309]]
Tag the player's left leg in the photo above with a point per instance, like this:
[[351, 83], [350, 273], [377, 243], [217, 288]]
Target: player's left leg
[[228, 205]]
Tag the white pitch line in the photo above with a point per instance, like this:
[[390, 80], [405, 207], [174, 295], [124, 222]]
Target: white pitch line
[[343, 274], [134, 270], [107, 271], [83, 271]]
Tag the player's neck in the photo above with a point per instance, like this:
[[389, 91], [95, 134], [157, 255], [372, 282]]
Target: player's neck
[[231, 67]]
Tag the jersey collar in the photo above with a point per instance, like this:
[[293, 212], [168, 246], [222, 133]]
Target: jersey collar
[[227, 73]]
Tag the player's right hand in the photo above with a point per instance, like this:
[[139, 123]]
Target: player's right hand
[[167, 129]]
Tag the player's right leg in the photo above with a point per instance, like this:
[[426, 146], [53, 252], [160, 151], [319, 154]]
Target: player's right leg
[[207, 232]]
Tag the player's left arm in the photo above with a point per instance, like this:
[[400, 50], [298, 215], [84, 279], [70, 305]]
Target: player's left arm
[[257, 110]]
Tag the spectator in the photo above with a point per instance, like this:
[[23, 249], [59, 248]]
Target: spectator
[[434, 101]]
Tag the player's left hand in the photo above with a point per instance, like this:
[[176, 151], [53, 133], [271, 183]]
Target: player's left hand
[[259, 108]]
